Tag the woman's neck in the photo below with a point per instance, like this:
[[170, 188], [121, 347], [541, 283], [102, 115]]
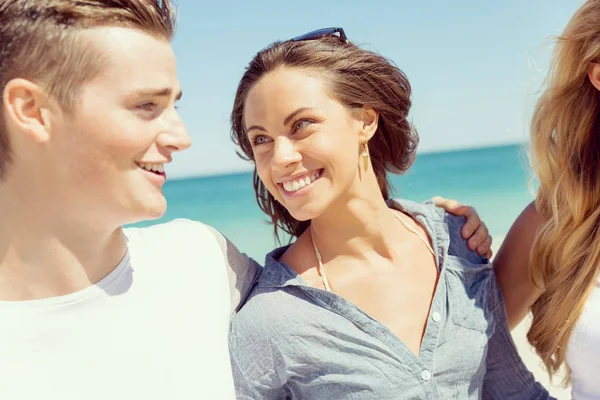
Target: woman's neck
[[355, 228]]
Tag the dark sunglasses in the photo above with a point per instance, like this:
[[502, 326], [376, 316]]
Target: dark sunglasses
[[319, 33]]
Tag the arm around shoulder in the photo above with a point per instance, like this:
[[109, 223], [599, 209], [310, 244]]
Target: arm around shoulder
[[511, 265]]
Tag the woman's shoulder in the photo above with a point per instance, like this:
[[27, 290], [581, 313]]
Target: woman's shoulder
[[445, 228], [457, 245], [261, 311]]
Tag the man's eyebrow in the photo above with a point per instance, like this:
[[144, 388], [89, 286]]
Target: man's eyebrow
[[164, 92]]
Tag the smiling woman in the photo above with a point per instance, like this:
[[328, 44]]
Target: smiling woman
[[392, 150], [376, 298]]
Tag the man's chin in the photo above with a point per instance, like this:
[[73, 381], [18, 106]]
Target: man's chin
[[149, 212], [158, 211]]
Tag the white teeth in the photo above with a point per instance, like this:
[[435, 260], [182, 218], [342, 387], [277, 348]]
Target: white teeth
[[155, 167], [292, 186]]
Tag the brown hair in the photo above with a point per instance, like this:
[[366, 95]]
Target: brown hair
[[39, 41], [356, 78], [565, 135]]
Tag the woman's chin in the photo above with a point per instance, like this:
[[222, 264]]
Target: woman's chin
[[305, 213]]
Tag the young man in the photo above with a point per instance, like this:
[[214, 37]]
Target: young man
[[88, 311]]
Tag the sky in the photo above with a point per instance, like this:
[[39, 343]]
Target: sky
[[476, 67]]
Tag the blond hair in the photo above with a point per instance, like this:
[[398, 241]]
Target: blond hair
[[566, 157], [39, 41]]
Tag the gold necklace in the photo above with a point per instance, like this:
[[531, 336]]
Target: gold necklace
[[320, 268]]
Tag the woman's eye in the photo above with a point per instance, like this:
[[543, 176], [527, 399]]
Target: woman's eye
[[302, 124], [260, 140]]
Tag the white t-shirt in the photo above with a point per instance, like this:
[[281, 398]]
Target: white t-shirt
[[155, 328]]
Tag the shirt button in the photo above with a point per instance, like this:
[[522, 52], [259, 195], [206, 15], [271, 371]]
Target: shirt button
[[425, 375], [436, 316]]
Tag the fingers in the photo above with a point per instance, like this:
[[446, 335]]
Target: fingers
[[485, 248], [450, 205], [474, 230], [454, 207], [479, 239], [472, 224], [489, 254]]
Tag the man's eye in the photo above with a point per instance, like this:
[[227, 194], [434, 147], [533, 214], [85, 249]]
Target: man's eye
[[150, 106]]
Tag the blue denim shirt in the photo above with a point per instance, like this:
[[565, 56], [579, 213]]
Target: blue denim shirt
[[294, 341]]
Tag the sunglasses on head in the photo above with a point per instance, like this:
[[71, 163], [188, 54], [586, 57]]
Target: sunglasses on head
[[320, 33]]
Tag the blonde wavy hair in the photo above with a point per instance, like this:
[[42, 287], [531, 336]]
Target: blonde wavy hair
[[565, 258]]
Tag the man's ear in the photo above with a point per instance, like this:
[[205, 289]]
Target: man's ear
[[26, 107]]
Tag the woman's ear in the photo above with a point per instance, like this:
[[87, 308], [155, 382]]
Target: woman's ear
[[369, 118], [594, 75]]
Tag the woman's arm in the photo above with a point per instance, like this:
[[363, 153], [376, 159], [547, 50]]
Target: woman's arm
[[512, 266]]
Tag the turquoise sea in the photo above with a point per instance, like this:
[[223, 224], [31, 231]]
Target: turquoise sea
[[495, 180]]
